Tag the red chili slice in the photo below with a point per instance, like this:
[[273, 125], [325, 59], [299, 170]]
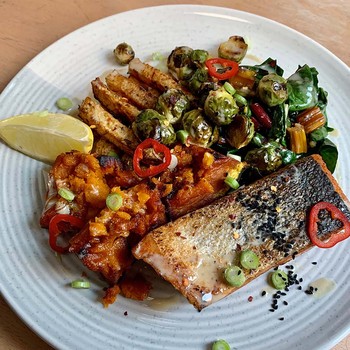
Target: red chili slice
[[336, 236], [221, 68], [152, 169], [60, 224]]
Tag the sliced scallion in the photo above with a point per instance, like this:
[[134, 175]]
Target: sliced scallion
[[234, 276], [80, 284], [249, 260], [229, 88], [240, 100], [221, 345], [233, 183], [66, 193], [182, 136], [114, 201], [112, 154], [157, 56], [64, 103]]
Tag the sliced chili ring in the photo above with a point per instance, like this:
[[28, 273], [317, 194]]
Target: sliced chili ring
[[151, 170], [226, 69], [337, 235], [60, 224]]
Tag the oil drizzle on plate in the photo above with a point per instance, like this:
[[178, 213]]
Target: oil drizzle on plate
[[322, 287]]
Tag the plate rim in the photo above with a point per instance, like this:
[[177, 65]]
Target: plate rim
[[12, 302]]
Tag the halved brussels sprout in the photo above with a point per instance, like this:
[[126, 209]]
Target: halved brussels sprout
[[200, 131], [172, 104], [272, 89], [234, 49], [180, 64], [267, 158], [240, 132], [150, 124], [220, 107]]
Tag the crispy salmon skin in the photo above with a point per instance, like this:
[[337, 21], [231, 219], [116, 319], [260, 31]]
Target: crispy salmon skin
[[268, 217]]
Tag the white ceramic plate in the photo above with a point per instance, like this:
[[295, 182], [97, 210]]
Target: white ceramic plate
[[36, 284]]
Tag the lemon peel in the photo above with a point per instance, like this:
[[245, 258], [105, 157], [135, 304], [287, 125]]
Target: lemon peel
[[43, 135]]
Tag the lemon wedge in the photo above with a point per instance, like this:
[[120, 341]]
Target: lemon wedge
[[43, 135]]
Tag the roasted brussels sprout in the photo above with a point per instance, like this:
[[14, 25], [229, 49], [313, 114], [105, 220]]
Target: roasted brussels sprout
[[123, 53], [199, 77], [240, 132], [200, 131], [180, 64], [204, 90], [150, 124], [234, 49], [198, 57], [272, 89], [172, 104], [220, 107], [266, 159]]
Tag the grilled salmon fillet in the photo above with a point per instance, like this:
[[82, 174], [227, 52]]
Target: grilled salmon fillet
[[268, 217]]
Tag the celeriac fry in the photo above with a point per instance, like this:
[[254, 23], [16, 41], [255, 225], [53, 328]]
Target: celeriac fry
[[103, 147], [114, 103], [140, 95], [93, 114], [154, 77]]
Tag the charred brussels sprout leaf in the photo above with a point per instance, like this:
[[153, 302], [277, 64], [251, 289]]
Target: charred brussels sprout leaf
[[199, 130], [234, 49], [199, 77], [220, 107], [124, 53], [302, 89], [272, 89], [150, 124], [266, 159], [240, 132], [172, 104]]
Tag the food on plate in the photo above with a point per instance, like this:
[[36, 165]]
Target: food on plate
[[234, 49], [115, 104], [141, 95], [169, 149], [104, 244], [153, 77], [123, 53], [269, 218], [93, 114]]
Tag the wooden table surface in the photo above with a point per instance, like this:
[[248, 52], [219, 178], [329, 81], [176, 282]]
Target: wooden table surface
[[29, 26]]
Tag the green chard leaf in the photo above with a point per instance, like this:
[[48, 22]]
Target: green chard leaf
[[329, 153], [302, 87], [268, 66]]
